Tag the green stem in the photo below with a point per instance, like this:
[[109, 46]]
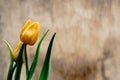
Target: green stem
[[26, 61]]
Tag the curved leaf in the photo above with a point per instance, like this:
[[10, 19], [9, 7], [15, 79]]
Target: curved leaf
[[10, 71], [46, 65]]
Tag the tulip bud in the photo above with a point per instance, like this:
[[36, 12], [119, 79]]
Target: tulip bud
[[16, 51], [30, 32]]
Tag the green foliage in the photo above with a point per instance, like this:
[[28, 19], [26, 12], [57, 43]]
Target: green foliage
[[46, 66], [19, 62], [10, 71]]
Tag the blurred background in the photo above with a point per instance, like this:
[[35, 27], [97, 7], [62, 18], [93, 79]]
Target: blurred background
[[87, 44]]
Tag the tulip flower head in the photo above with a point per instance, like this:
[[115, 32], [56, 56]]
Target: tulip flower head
[[30, 32]]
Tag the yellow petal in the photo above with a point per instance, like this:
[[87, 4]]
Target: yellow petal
[[28, 22]]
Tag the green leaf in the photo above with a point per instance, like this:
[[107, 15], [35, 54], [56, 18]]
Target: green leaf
[[10, 71], [35, 60], [46, 65], [19, 62]]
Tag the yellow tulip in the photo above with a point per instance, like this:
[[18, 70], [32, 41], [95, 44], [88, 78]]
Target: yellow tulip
[[16, 51], [30, 32], [28, 35]]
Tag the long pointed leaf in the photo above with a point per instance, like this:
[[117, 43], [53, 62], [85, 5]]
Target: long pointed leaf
[[10, 71], [46, 65], [35, 60]]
